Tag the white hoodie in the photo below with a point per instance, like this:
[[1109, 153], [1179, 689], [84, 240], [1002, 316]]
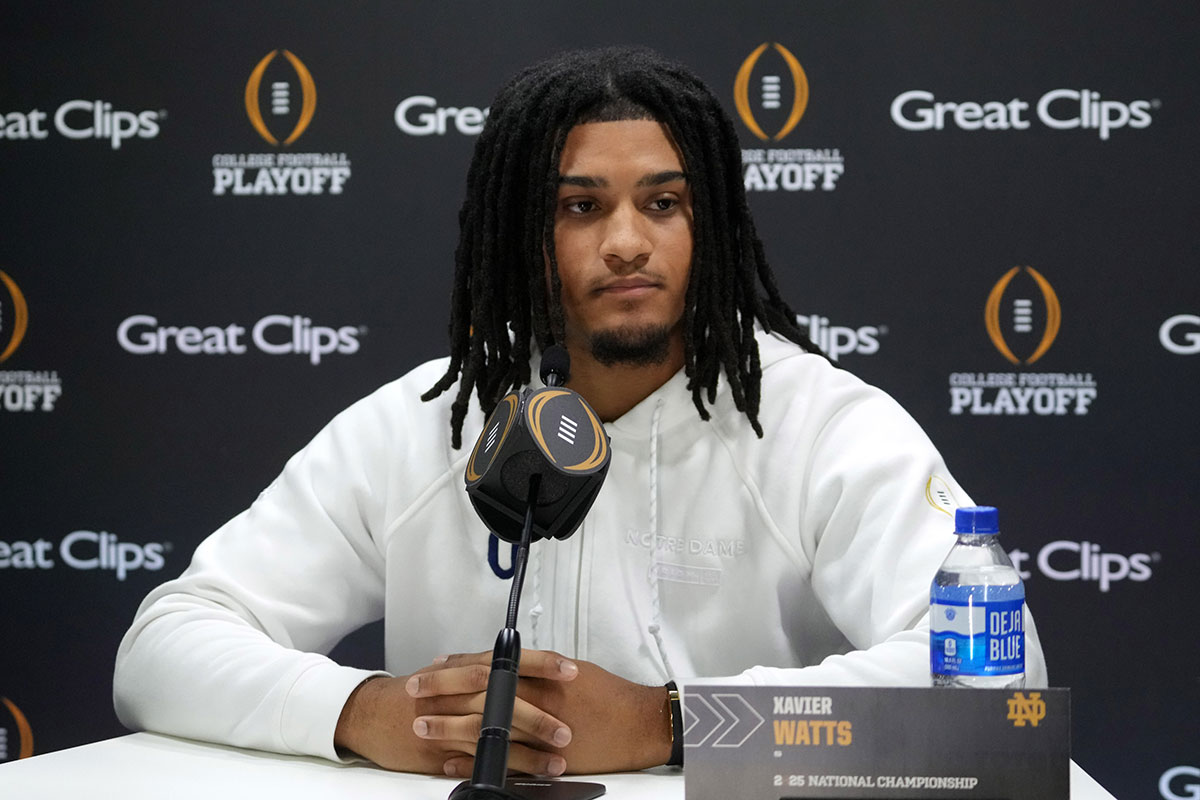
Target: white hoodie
[[802, 558]]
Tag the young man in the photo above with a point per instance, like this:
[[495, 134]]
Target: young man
[[764, 517]]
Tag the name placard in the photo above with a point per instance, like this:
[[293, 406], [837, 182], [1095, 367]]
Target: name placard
[[776, 742]]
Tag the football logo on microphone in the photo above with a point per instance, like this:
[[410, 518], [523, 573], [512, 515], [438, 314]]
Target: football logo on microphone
[[499, 424], [544, 418], [1022, 309], [17, 741], [14, 317], [770, 92], [544, 409], [540, 459], [281, 99]]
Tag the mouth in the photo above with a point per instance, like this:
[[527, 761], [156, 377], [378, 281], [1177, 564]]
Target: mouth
[[628, 287]]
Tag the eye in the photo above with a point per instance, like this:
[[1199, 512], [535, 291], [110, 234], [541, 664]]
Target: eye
[[663, 204], [579, 206]]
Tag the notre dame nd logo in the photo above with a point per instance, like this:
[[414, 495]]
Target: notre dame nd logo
[[771, 93], [16, 740], [1022, 709], [1022, 308], [12, 324], [281, 98]]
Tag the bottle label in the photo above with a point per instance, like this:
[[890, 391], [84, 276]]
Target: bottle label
[[972, 637]]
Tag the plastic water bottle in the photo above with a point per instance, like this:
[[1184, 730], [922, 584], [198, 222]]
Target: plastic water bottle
[[977, 609]]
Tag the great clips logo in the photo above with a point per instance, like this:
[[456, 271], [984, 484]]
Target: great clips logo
[[16, 735], [838, 340], [1058, 109], [1066, 560], [1180, 783], [274, 335], [1022, 317], [280, 99], [1179, 334], [771, 94], [85, 550], [82, 120]]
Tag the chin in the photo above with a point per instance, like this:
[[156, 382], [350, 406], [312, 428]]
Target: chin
[[631, 345]]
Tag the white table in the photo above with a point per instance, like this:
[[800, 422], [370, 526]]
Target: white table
[[147, 766]]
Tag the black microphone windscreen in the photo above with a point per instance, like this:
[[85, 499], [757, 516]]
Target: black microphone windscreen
[[556, 361], [517, 469]]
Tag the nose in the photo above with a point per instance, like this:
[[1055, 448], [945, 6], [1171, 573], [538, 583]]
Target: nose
[[627, 244]]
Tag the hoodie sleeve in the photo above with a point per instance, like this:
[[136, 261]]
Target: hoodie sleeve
[[231, 651], [875, 523]]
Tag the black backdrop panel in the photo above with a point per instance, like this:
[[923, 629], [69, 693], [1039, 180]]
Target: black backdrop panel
[[987, 209]]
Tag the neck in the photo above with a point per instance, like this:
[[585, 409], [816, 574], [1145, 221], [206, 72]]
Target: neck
[[613, 390]]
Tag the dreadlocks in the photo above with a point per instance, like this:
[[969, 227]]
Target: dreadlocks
[[500, 306]]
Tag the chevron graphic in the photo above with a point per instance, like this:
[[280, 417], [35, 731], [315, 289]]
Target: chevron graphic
[[697, 711], [732, 720]]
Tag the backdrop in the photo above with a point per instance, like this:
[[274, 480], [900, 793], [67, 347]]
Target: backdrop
[[223, 222]]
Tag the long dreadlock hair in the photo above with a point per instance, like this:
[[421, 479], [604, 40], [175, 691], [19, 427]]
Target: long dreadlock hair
[[500, 307]]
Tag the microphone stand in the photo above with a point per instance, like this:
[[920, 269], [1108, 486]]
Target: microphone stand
[[491, 753]]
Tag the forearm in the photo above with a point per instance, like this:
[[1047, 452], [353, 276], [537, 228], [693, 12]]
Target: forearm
[[901, 660], [195, 671]]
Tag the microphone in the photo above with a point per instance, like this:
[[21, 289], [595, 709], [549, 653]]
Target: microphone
[[556, 366], [538, 465], [550, 432]]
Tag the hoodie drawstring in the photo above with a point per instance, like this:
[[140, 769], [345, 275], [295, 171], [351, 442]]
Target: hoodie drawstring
[[655, 627], [535, 596]]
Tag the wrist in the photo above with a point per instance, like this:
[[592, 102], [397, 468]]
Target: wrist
[[347, 735]]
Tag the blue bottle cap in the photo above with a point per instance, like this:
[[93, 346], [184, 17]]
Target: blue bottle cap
[[976, 520]]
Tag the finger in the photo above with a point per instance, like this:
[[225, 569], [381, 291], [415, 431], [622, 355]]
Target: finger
[[456, 722], [534, 663], [451, 680], [460, 659], [520, 759], [547, 664], [463, 659], [461, 729], [536, 725], [449, 705]]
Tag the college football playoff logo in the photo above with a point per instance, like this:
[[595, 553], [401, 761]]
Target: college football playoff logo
[[281, 98], [1022, 315], [14, 322], [771, 92], [22, 746]]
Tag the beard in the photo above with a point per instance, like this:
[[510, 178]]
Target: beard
[[631, 346]]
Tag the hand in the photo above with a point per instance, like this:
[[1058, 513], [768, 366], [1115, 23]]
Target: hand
[[429, 722], [615, 725]]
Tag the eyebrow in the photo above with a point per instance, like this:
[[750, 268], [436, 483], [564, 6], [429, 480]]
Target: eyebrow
[[653, 179], [659, 178]]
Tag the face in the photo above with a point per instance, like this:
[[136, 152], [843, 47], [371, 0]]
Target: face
[[623, 241]]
